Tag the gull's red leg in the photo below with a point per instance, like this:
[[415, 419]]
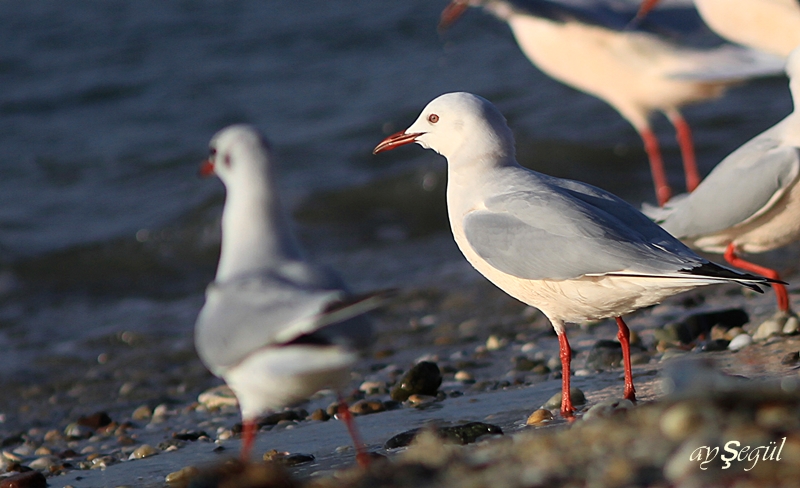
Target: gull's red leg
[[567, 410], [361, 453], [663, 190], [249, 429], [624, 336], [684, 135], [780, 290]]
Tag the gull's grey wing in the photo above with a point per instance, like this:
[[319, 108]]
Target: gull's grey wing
[[743, 186], [563, 233], [293, 302]]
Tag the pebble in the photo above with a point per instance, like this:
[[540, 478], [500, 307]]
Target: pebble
[[53, 435], [464, 376], [768, 328], [740, 342], [320, 415], [493, 343], [791, 326], [791, 358], [419, 400], [143, 451], [287, 459], [423, 379], [608, 408], [142, 412], [183, 475], [43, 463], [604, 355], [680, 421], [43, 451], [95, 420], [366, 407], [528, 346], [577, 396], [539, 417], [29, 479], [77, 431], [460, 434], [293, 415], [218, 397], [372, 387]]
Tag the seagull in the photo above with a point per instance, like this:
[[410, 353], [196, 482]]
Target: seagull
[[772, 26], [274, 326], [635, 72], [574, 251], [750, 202]]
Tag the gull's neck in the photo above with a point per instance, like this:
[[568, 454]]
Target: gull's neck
[[255, 233], [470, 169]]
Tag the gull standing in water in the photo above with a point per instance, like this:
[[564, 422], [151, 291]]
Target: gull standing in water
[[274, 326], [574, 251], [635, 72]]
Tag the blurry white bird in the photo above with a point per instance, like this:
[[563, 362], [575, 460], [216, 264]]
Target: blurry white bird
[[275, 327], [635, 72], [575, 252], [772, 26], [750, 202]]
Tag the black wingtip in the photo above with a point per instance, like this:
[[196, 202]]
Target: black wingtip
[[745, 279]]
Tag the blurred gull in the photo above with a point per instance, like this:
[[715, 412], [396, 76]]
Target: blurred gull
[[750, 202], [635, 72], [575, 252], [275, 327], [772, 26]]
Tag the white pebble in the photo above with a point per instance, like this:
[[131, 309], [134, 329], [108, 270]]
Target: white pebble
[[740, 342]]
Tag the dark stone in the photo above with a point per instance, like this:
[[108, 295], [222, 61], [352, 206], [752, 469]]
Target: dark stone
[[791, 358], [713, 345], [164, 445], [95, 420], [700, 324], [295, 459], [461, 434], [30, 479], [273, 419], [604, 355], [189, 435], [523, 363], [320, 414], [12, 440], [68, 454], [423, 379]]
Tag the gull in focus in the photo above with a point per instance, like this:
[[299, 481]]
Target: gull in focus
[[274, 326], [750, 202], [575, 252], [634, 71]]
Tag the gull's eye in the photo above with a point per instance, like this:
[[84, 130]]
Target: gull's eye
[[212, 152], [433, 118]]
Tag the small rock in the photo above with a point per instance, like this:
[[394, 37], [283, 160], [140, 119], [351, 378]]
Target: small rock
[[604, 355], [423, 379], [791, 326], [713, 345], [95, 420], [733, 332], [293, 415], [43, 451], [680, 421], [523, 363], [189, 435], [29, 479], [791, 358], [493, 343], [77, 431], [142, 413], [575, 394], [218, 397], [740, 342], [372, 387], [539, 417], [366, 407], [53, 436], [43, 463], [461, 434], [464, 376], [419, 400], [182, 476], [143, 451], [286, 458], [768, 328], [608, 408], [320, 415]]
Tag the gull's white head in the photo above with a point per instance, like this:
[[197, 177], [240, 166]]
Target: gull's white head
[[458, 125], [240, 156]]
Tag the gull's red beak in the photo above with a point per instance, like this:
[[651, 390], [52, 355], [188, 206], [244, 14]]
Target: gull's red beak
[[396, 140], [452, 12], [644, 9], [206, 168]]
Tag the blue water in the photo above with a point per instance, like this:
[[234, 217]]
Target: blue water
[[106, 109]]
